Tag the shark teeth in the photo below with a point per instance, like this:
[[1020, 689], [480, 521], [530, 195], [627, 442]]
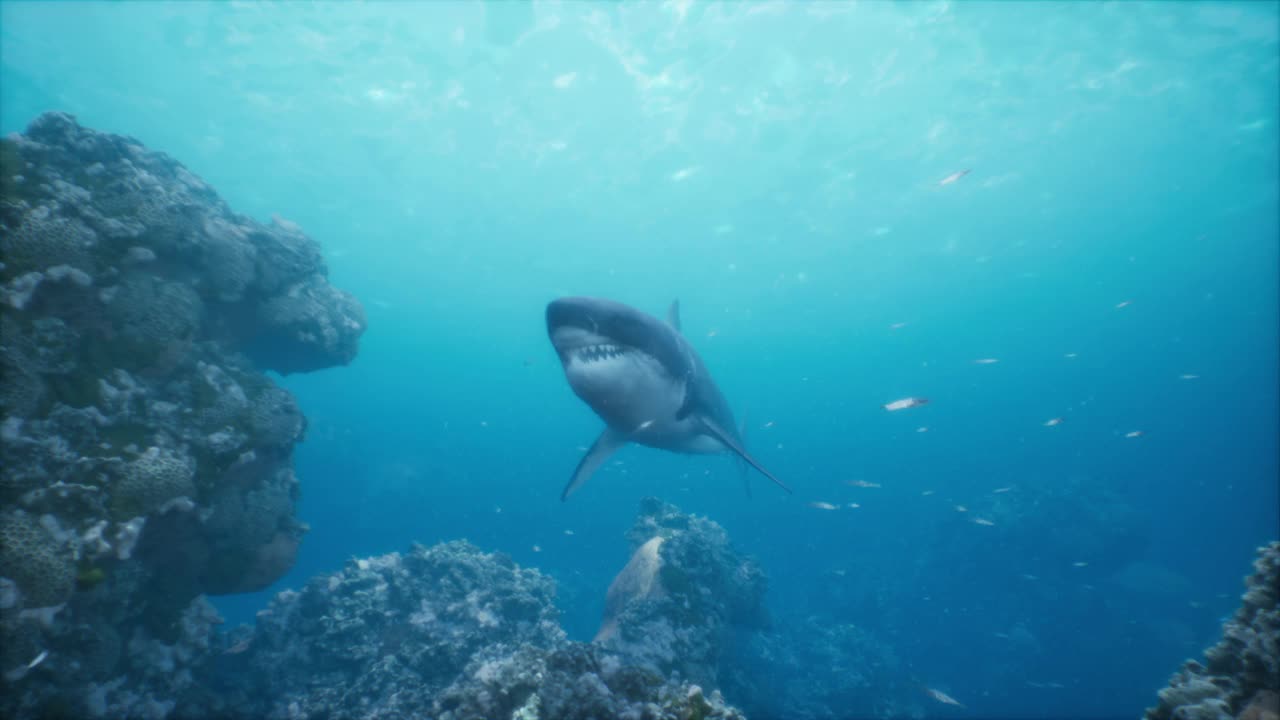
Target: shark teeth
[[596, 353]]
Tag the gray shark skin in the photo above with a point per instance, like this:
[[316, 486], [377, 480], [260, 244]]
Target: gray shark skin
[[644, 379]]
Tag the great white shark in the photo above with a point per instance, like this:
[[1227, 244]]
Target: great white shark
[[644, 379]]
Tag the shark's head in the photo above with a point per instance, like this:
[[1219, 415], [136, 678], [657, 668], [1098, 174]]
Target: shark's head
[[579, 323], [614, 355]]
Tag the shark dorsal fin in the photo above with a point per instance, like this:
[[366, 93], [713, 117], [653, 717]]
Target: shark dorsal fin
[[673, 315]]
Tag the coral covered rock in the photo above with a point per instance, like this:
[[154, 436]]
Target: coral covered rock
[[393, 630], [1241, 674], [145, 457], [812, 667], [673, 606], [42, 567], [447, 632], [149, 481], [572, 682]]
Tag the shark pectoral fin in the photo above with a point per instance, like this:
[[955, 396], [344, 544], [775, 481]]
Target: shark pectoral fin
[[673, 315], [690, 400], [745, 473], [719, 433], [742, 464], [604, 446], [686, 408]]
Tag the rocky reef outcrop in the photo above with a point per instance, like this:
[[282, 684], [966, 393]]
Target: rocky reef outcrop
[[1240, 676], [675, 607], [812, 667], [145, 457], [447, 632]]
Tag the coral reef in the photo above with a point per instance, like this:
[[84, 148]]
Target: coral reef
[[815, 667], [395, 629], [675, 604], [575, 681], [1240, 677], [34, 559], [145, 458], [446, 632]]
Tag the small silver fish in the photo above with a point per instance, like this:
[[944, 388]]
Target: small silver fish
[[942, 697], [905, 403], [38, 659]]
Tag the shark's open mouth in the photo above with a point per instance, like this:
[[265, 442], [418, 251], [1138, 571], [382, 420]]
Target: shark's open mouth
[[596, 353]]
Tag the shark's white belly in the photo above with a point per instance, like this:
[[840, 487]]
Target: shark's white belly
[[637, 398]]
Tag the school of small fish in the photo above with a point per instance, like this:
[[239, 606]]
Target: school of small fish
[[915, 402]]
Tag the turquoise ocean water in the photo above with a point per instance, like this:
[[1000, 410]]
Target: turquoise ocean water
[[779, 168]]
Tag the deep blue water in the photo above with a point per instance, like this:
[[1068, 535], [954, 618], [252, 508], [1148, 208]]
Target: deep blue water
[[776, 167]]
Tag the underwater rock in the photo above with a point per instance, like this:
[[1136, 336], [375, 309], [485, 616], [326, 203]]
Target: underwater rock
[[813, 667], [575, 681], [145, 457], [446, 632], [1240, 677], [676, 603], [393, 630]]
